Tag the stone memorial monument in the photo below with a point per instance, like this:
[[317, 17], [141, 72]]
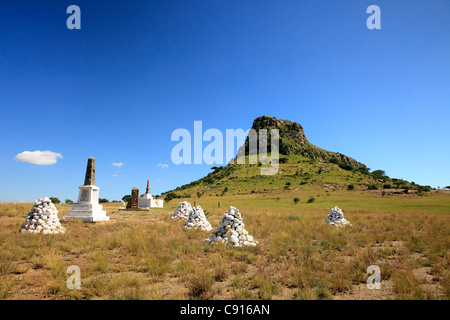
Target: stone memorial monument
[[87, 208], [232, 231], [148, 201], [133, 203], [336, 218]]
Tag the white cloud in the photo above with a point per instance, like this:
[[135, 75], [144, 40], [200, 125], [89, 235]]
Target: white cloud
[[163, 165], [117, 164], [158, 180], [115, 175], [43, 158]]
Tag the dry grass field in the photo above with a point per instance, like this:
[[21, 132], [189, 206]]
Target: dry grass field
[[145, 255]]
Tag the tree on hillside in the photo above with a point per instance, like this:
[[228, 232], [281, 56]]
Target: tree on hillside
[[170, 196], [55, 200], [126, 198], [68, 201], [379, 174]]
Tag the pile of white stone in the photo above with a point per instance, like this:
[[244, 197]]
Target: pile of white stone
[[232, 230], [43, 218], [197, 220], [182, 211], [336, 218]]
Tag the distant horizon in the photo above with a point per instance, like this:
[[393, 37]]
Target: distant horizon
[[187, 182], [118, 87]]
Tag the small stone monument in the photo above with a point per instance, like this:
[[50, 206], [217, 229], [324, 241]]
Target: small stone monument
[[87, 208], [336, 218], [43, 218], [182, 212], [148, 201], [197, 220], [232, 231], [133, 203]]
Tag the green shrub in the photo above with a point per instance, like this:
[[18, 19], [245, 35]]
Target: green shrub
[[334, 160], [312, 199], [423, 188], [364, 170], [379, 174], [55, 200], [372, 187], [296, 200], [345, 166], [170, 196], [350, 187]]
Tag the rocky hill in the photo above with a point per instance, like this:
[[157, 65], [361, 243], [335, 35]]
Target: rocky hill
[[301, 165], [293, 141]]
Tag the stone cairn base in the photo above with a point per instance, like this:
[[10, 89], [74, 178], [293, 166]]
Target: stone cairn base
[[336, 218], [232, 231], [197, 220], [43, 218], [182, 211]]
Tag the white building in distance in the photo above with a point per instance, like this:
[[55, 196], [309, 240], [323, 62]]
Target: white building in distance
[[148, 201]]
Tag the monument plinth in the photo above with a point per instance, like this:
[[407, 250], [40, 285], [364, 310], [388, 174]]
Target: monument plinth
[[87, 208]]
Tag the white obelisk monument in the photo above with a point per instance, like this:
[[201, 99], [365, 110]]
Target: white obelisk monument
[[87, 207]]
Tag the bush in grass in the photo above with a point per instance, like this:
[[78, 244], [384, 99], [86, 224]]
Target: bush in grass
[[345, 166], [170, 196], [296, 200], [312, 199], [55, 200], [350, 187]]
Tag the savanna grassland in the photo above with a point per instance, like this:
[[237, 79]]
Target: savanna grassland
[[145, 255]]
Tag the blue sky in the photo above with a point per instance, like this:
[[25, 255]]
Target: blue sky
[[138, 70]]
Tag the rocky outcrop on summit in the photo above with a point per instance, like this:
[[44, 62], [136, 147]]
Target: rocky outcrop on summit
[[293, 141]]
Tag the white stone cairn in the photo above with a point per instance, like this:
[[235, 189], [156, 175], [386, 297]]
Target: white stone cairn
[[232, 231], [43, 218], [182, 211], [197, 220], [336, 218]]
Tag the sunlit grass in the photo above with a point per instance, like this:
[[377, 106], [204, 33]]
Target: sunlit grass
[[147, 256]]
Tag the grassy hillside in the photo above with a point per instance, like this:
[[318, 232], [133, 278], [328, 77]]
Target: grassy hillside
[[295, 173], [302, 166]]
